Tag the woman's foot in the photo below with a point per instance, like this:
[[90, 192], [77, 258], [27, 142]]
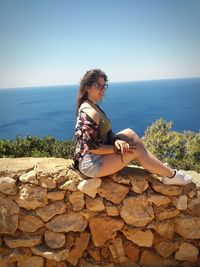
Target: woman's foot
[[180, 178]]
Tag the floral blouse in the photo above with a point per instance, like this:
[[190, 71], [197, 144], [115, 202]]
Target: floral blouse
[[87, 133]]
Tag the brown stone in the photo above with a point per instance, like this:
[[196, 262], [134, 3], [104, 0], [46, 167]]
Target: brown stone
[[77, 200], [194, 206], [136, 211], [117, 250], [69, 185], [29, 222], [112, 211], [135, 172], [84, 263], [139, 237], [95, 204], [131, 251], [22, 241], [180, 202], [52, 209], [139, 183], [31, 261], [47, 182], [164, 213], [189, 264], [191, 186], [89, 187], [94, 252], [105, 252], [81, 244], [103, 229], [149, 259], [188, 227], [159, 200], [56, 195], [168, 190], [9, 211], [191, 194], [112, 191], [3, 264], [56, 255], [54, 240], [31, 196], [16, 254], [120, 178], [71, 221], [165, 247], [187, 252], [8, 186], [50, 263], [165, 229], [127, 263], [87, 214]]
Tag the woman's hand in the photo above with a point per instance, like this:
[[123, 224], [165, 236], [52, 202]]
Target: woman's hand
[[124, 147]]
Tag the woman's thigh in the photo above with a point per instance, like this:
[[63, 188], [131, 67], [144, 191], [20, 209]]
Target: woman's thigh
[[115, 162]]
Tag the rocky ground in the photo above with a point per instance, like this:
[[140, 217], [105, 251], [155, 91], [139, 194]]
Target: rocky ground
[[50, 216]]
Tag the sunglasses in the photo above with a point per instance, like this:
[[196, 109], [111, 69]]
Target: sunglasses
[[100, 87]]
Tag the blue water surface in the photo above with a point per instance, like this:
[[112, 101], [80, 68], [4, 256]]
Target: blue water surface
[[50, 110]]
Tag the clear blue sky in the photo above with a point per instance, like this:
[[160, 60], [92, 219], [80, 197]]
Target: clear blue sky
[[50, 42]]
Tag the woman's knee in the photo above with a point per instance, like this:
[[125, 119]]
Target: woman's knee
[[139, 148], [131, 132], [127, 133], [136, 139]]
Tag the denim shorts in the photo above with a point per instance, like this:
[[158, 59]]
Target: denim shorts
[[90, 165]]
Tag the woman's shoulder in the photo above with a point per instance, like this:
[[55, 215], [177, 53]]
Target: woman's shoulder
[[90, 111]]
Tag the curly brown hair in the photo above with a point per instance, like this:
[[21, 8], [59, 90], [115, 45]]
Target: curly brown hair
[[90, 77]]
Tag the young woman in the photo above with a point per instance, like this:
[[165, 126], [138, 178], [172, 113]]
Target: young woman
[[99, 151]]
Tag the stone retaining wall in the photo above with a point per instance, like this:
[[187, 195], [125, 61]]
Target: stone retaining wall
[[51, 216]]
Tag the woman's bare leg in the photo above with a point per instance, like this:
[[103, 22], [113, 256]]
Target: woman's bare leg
[[113, 162]]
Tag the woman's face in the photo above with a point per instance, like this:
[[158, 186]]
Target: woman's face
[[97, 90]]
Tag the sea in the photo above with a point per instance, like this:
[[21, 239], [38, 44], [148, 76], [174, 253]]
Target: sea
[[50, 110]]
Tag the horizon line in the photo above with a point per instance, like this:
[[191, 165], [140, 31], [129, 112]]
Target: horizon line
[[75, 84]]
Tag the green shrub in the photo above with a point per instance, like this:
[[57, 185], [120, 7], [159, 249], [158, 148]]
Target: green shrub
[[33, 146], [179, 150]]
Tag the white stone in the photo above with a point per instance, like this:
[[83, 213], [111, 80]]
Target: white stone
[[89, 187], [31, 196], [69, 185], [29, 177]]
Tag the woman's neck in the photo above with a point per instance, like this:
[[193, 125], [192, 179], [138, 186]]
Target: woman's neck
[[92, 101], [96, 107]]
